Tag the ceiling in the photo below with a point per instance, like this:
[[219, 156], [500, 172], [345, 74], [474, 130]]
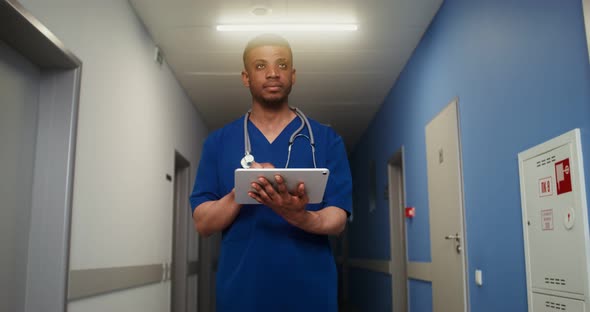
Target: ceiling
[[342, 77]]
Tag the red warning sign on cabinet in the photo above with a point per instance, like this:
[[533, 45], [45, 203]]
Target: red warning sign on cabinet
[[545, 187], [563, 178]]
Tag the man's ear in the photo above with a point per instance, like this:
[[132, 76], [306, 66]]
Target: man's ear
[[245, 79], [293, 76]]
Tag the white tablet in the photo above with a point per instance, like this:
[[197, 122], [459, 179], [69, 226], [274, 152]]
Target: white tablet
[[315, 180]]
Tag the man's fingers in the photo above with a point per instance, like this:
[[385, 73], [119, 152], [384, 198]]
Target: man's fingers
[[302, 193], [261, 192], [301, 190], [254, 195], [276, 196], [268, 188], [281, 186]]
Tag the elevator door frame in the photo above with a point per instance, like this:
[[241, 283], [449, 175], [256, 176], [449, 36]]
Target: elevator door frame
[[49, 237]]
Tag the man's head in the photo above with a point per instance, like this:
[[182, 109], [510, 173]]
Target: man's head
[[268, 70], [266, 40]]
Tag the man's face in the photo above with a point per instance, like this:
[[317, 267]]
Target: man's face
[[269, 74]]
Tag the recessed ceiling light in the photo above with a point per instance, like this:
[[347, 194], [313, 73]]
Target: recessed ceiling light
[[288, 27]]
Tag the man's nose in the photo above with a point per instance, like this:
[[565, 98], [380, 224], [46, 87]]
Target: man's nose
[[272, 72]]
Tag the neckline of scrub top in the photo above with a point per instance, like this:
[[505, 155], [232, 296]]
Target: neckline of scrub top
[[289, 125]]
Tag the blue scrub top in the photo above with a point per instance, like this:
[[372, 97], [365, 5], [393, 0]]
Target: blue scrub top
[[266, 264]]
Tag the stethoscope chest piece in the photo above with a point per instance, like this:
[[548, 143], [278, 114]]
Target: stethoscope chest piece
[[247, 161]]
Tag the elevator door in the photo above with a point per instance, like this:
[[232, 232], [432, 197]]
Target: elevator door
[[19, 90]]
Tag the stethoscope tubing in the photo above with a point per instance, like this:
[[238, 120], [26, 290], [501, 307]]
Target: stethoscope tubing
[[304, 123]]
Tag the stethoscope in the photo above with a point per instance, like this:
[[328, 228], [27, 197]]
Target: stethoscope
[[249, 158]]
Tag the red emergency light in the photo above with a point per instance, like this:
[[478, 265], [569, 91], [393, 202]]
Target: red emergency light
[[410, 212]]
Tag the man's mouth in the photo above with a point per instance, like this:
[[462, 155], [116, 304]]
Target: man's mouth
[[273, 87]]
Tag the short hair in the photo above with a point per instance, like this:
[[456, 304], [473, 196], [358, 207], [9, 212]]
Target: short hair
[[266, 40]]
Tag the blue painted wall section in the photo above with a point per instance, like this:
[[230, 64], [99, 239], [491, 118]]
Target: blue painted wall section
[[420, 295], [521, 72]]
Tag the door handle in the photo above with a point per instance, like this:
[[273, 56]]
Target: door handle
[[456, 237]]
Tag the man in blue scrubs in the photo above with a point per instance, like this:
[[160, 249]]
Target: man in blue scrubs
[[275, 256]]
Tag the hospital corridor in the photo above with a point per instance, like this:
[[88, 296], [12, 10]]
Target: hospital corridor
[[294, 155]]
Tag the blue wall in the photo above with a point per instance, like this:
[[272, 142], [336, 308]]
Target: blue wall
[[420, 296], [521, 72]]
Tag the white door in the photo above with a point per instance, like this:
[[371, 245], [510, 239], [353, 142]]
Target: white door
[[445, 196]]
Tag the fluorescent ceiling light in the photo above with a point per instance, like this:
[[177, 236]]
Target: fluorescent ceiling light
[[289, 27]]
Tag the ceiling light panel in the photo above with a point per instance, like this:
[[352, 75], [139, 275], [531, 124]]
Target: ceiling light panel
[[287, 27]]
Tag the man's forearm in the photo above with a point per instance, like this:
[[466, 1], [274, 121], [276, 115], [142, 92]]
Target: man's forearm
[[214, 216], [327, 221]]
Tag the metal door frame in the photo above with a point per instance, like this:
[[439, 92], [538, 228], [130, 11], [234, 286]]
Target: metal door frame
[[462, 208], [181, 219], [397, 230]]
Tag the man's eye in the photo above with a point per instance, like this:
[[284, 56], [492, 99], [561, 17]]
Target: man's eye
[[282, 66], [259, 66]]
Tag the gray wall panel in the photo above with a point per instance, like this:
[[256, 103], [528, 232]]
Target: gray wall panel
[[93, 282], [19, 89]]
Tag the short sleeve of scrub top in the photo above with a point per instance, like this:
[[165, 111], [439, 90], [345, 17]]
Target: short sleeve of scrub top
[[205, 188]]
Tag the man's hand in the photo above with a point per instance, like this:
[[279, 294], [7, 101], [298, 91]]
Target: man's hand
[[287, 205], [290, 206]]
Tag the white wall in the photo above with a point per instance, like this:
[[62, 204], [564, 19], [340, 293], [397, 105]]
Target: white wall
[[133, 116], [19, 91]]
